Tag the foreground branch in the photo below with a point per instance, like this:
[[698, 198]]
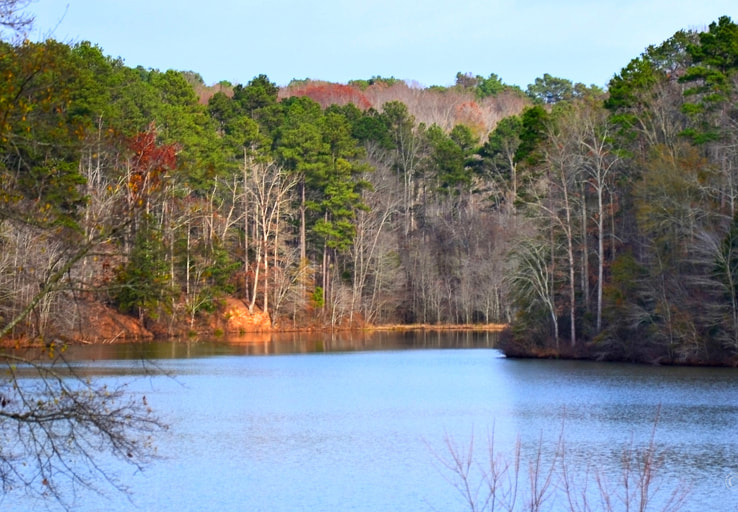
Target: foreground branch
[[57, 427], [548, 480]]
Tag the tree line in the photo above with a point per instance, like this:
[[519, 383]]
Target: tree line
[[595, 222], [303, 210], [629, 204]]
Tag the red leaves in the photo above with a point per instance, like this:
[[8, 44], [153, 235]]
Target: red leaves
[[470, 114], [327, 94], [149, 164]]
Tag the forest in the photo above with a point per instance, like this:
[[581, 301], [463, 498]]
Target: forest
[[596, 223]]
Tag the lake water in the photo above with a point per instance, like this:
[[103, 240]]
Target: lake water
[[329, 424]]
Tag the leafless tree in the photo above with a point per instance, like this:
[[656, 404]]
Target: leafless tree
[[13, 19], [599, 160], [532, 278], [499, 482], [368, 252], [409, 141], [55, 423], [545, 478], [269, 188], [288, 284], [563, 169]]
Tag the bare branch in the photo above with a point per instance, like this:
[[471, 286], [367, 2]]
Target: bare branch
[[12, 17], [60, 423]]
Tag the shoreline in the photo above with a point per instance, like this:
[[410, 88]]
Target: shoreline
[[437, 327], [58, 340]]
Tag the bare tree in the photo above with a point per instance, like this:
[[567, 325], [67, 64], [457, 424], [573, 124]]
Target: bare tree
[[288, 283], [12, 17], [56, 423], [564, 167], [58, 427], [368, 254], [636, 486], [545, 478], [718, 252], [408, 139], [599, 160], [532, 278], [269, 187], [499, 482]]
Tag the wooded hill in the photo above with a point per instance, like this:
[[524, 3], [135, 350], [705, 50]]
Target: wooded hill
[[599, 224]]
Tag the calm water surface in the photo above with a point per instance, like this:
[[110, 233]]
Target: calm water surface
[[360, 424]]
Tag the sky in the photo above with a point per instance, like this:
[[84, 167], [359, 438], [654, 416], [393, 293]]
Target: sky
[[423, 41]]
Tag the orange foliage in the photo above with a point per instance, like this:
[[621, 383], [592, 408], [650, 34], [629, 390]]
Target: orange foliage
[[470, 114], [149, 164], [327, 94], [205, 92]]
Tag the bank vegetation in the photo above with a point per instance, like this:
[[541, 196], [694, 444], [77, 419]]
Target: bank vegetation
[[594, 223]]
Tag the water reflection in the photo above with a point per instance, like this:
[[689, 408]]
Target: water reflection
[[355, 423], [285, 343]]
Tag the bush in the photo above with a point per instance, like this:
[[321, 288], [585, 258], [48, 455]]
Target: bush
[[512, 482]]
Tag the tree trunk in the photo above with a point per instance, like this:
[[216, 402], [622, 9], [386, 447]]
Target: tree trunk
[[600, 255], [245, 225], [303, 246]]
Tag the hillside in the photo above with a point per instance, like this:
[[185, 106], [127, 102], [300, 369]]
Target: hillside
[[597, 224], [442, 106]]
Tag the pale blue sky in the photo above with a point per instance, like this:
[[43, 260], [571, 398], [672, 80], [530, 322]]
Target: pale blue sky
[[428, 41]]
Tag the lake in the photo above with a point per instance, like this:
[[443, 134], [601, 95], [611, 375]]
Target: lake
[[324, 423]]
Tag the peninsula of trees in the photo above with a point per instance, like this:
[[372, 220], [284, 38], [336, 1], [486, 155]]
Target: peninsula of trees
[[595, 223]]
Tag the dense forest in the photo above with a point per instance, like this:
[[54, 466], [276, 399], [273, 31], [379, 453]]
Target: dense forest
[[596, 223]]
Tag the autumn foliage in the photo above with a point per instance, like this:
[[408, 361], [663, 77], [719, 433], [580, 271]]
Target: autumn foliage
[[327, 94], [470, 114], [149, 164]]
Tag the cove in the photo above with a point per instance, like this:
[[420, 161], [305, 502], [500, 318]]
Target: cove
[[325, 424]]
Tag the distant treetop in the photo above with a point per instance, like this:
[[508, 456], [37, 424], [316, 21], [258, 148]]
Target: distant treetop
[[550, 90], [375, 80], [484, 87]]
